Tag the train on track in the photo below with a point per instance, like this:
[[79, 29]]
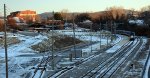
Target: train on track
[[130, 34], [132, 38]]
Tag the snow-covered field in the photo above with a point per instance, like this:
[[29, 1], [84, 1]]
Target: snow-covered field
[[23, 48], [93, 36], [21, 58]]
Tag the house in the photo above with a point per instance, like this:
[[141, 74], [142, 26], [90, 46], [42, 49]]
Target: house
[[136, 22]]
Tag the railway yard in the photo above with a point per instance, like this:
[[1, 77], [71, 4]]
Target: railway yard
[[97, 56]]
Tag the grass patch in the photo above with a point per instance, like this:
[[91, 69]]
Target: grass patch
[[10, 41], [60, 42]]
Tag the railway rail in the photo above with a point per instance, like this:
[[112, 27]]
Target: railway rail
[[102, 69], [113, 68], [45, 60], [94, 64], [108, 68], [106, 65]]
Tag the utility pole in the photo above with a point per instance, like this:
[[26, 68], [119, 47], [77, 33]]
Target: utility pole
[[115, 25], [53, 42], [100, 36], [111, 31], [6, 58], [74, 36], [91, 36], [107, 32]]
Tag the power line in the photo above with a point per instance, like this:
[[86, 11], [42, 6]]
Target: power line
[[1, 10], [8, 10]]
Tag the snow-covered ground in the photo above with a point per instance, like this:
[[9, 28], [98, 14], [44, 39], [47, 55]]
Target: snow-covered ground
[[124, 40], [21, 57], [23, 48], [92, 36]]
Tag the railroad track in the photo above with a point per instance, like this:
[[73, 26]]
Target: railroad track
[[43, 63], [126, 65], [104, 67], [107, 69], [59, 73], [95, 65], [126, 57], [104, 63]]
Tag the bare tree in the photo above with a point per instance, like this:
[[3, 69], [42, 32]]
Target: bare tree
[[58, 16], [64, 13], [37, 18], [12, 22], [115, 13], [146, 8], [145, 14]]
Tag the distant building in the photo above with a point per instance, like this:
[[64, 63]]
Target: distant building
[[87, 21], [57, 23], [137, 22], [23, 16]]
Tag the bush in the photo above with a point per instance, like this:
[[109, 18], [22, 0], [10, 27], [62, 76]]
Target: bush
[[60, 43], [65, 42], [1, 25]]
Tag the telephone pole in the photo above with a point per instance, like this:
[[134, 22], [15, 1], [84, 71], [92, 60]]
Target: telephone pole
[[5, 45], [100, 36], [53, 42], [74, 36], [91, 36], [107, 32]]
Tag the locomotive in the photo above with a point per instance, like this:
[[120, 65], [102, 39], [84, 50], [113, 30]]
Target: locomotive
[[131, 38]]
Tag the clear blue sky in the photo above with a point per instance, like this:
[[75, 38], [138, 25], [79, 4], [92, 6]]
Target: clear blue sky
[[72, 5]]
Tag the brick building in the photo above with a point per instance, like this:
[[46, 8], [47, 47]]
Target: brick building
[[24, 16]]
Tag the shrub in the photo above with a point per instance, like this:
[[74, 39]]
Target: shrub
[[1, 25]]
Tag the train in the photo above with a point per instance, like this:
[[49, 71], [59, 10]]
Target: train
[[132, 38], [130, 34]]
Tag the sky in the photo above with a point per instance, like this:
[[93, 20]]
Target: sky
[[41, 6]]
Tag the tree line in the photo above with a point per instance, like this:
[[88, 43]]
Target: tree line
[[111, 16]]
